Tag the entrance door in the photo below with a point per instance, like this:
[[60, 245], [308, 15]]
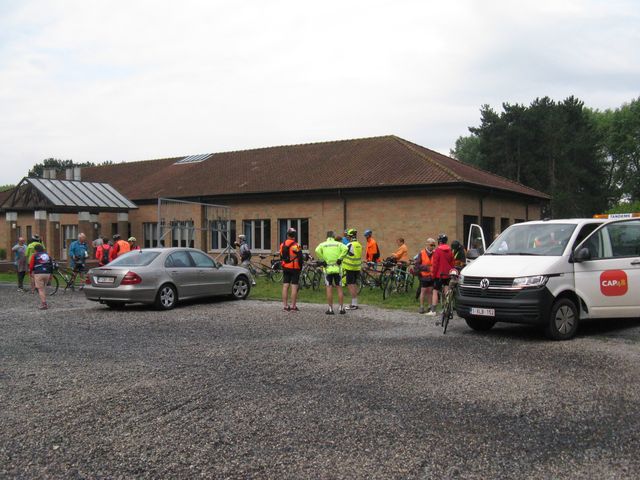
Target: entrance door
[[69, 234]]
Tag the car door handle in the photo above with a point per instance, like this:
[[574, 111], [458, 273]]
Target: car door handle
[[635, 262]]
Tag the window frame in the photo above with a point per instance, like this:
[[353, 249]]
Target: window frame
[[298, 224], [249, 229]]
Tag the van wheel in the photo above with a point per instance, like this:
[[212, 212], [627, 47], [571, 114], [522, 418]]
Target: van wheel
[[480, 324], [563, 321], [166, 297]]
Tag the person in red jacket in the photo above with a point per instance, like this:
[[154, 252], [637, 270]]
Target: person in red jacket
[[102, 252], [441, 262]]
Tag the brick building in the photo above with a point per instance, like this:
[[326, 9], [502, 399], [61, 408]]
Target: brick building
[[387, 184]]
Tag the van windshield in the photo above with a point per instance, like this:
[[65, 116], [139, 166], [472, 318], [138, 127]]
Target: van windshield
[[549, 239]]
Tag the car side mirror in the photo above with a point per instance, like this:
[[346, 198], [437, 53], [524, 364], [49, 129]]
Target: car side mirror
[[472, 254], [581, 255]]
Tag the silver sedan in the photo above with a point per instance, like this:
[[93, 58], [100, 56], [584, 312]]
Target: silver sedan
[[162, 276]]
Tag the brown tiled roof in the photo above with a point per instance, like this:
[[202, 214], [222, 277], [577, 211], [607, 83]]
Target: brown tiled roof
[[375, 162]]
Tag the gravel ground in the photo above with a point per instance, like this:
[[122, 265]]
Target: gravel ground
[[224, 389]]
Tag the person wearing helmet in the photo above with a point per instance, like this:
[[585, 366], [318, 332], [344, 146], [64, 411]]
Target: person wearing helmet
[[344, 238], [423, 264], [331, 254], [31, 248], [441, 263], [291, 258], [372, 252], [352, 264], [459, 255], [245, 251], [132, 244], [120, 247]]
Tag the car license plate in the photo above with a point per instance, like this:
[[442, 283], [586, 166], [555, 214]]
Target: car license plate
[[105, 279], [484, 312]]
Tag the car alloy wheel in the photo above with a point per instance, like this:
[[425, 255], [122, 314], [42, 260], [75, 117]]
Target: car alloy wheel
[[240, 289], [166, 298]]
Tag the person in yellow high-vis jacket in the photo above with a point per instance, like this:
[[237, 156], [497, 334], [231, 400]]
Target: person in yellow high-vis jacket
[[330, 255], [352, 264]]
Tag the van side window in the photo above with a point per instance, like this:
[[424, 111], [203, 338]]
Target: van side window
[[625, 239], [594, 244], [584, 233]]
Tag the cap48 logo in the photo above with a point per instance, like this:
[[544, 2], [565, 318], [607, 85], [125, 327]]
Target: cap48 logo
[[613, 283]]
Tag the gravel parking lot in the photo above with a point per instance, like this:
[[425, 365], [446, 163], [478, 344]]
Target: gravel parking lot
[[224, 389]]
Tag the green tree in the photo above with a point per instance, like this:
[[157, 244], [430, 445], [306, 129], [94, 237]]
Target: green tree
[[60, 165], [4, 188]]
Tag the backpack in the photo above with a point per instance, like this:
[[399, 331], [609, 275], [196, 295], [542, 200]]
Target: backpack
[[285, 251], [105, 254]]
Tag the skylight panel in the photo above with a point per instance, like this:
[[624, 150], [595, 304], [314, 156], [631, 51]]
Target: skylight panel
[[193, 159]]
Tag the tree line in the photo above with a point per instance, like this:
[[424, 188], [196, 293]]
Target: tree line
[[588, 160]]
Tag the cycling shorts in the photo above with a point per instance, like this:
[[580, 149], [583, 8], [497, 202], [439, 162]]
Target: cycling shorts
[[291, 275], [439, 283], [426, 282], [79, 267], [332, 279], [352, 276]]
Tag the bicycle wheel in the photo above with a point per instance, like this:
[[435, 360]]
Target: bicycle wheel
[[446, 312], [409, 283], [52, 285], [317, 280], [275, 274], [387, 283]]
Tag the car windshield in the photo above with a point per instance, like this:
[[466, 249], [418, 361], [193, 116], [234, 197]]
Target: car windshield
[[548, 239], [137, 258]]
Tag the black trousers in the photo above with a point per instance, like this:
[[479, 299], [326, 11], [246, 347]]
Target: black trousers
[[21, 279]]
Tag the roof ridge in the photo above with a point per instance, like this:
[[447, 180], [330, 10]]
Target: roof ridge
[[433, 161], [329, 142]]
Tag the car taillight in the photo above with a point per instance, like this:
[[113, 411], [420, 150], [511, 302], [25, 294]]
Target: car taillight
[[87, 281], [131, 278]]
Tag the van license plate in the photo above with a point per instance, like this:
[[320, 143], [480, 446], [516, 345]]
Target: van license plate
[[105, 279], [484, 312]]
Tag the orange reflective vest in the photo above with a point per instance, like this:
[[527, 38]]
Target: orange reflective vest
[[294, 254], [425, 260], [123, 247]]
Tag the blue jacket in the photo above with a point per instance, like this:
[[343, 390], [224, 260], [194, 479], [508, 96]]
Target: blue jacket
[[77, 253]]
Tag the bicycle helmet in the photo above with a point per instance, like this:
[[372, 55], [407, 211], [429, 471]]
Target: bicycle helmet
[[35, 237], [442, 238], [455, 245], [352, 232], [368, 233], [454, 273], [291, 231], [116, 237], [132, 239]]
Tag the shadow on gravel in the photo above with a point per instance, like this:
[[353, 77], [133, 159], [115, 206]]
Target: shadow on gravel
[[139, 307], [613, 327]]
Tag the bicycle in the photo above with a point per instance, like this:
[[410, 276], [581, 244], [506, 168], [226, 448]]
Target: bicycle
[[371, 276], [272, 272], [396, 280], [449, 301]]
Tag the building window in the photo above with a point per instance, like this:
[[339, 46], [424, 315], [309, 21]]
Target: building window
[[223, 234], [518, 220], [123, 235], [29, 233], [504, 224], [302, 227], [258, 233], [150, 235], [18, 231], [182, 234]]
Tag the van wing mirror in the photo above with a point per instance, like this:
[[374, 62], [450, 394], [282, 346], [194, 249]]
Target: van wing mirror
[[581, 255], [473, 254]]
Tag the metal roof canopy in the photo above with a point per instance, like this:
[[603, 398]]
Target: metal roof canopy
[[66, 196]]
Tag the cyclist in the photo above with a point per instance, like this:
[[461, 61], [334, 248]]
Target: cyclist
[[459, 255], [330, 253], [372, 253], [245, 251], [33, 242], [352, 265], [120, 247], [401, 255], [291, 257], [441, 263], [102, 252], [78, 253], [133, 245], [423, 266], [40, 269]]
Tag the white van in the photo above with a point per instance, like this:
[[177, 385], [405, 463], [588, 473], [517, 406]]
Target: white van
[[554, 273]]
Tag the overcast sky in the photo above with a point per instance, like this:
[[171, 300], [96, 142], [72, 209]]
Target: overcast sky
[[119, 80]]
